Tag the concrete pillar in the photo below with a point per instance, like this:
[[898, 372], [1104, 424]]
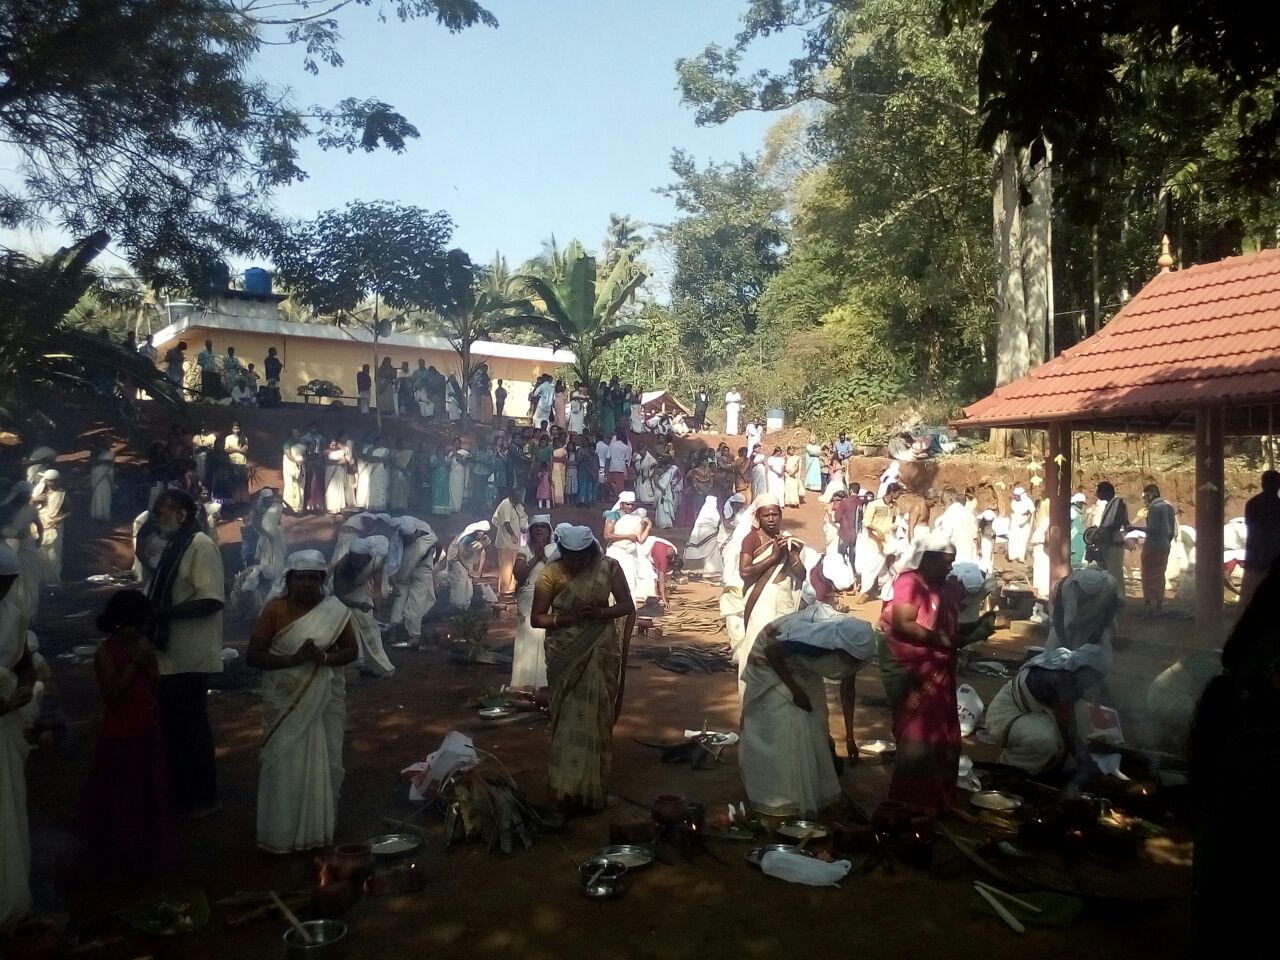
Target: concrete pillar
[[1210, 626], [1057, 479]]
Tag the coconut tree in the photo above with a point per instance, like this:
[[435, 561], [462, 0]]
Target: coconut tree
[[577, 310], [476, 301]]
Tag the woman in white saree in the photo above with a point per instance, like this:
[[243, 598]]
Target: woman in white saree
[[624, 531], [667, 496], [294, 455], [335, 478], [772, 571], [302, 640], [464, 562], [645, 465], [529, 655], [785, 756], [353, 580], [702, 552], [379, 475]]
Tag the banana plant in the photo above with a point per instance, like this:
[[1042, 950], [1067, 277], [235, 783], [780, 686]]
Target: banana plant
[[576, 310]]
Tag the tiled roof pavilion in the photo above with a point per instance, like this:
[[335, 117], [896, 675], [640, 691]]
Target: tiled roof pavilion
[[1197, 350], [1206, 336]]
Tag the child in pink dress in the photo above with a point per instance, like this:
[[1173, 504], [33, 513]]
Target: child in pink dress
[[544, 487]]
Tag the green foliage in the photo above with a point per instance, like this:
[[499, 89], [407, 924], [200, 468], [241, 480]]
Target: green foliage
[[577, 306], [395, 253], [144, 118], [47, 363]]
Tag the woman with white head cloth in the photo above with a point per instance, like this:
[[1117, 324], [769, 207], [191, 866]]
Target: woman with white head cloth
[[1035, 716], [51, 499], [272, 551], [786, 753], [465, 562], [413, 581], [624, 531], [529, 656], [301, 641], [918, 651], [355, 526], [987, 541], [702, 552], [1022, 513], [353, 579], [584, 604], [21, 532], [17, 682]]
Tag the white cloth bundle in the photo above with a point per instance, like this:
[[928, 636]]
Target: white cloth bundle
[[797, 868]]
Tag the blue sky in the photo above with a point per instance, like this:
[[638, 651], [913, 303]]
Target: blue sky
[[565, 113]]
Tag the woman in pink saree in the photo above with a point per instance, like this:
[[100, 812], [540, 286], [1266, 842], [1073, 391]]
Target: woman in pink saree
[[918, 666]]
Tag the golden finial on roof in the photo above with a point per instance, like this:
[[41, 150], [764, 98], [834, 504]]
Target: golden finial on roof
[[1166, 259]]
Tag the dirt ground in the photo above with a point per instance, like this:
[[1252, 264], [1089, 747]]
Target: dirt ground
[[478, 904]]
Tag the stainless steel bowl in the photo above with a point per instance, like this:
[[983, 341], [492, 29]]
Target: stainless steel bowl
[[394, 846], [602, 879], [633, 856], [799, 829], [328, 941], [756, 854]]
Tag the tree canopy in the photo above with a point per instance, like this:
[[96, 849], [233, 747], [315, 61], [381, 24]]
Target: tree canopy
[[144, 118]]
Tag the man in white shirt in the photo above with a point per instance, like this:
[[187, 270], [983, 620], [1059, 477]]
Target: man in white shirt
[[183, 577], [960, 525], [619, 463], [510, 522]]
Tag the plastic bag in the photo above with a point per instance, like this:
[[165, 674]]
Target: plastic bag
[[970, 707], [456, 752]]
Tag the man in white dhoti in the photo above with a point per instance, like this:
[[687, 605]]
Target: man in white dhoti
[[51, 501], [102, 483], [353, 579], [732, 407], [959, 524], [302, 640], [875, 548], [1022, 512], [529, 655], [773, 576], [786, 755], [414, 578], [544, 395], [624, 531], [1035, 717], [17, 681]]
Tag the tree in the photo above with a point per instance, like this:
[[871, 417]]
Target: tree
[[380, 251], [622, 236], [476, 301], [49, 364], [143, 118], [578, 310], [725, 248]]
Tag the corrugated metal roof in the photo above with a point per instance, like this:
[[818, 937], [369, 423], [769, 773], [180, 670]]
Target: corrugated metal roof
[[1205, 336]]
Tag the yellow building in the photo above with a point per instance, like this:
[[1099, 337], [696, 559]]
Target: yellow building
[[251, 324]]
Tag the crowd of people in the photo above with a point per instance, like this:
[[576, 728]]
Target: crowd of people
[[577, 593]]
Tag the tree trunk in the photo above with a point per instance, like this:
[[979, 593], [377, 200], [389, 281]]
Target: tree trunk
[[1012, 346], [1035, 256]]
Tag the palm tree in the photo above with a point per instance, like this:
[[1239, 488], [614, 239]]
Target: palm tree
[[623, 236], [46, 360], [478, 299], [578, 311]]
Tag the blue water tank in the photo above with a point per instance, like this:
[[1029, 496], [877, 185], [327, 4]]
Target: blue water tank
[[257, 280]]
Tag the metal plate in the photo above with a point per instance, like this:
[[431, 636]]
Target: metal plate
[[877, 748], [798, 829], [633, 856], [496, 713], [392, 845], [756, 854], [996, 800]]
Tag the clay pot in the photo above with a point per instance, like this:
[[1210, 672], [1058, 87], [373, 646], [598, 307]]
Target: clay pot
[[352, 861], [891, 817], [669, 809]]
